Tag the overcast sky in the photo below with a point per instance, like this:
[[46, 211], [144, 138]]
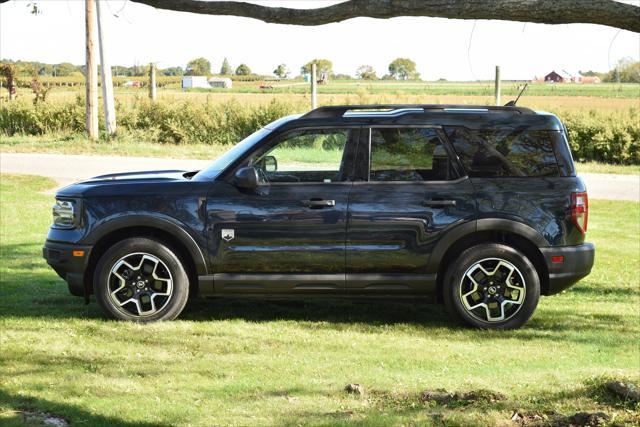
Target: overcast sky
[[440, 47]]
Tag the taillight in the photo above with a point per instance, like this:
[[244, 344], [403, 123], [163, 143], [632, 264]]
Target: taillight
[[580, 210]]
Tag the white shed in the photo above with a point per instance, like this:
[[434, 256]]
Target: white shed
[[223, 82], [195, 82]]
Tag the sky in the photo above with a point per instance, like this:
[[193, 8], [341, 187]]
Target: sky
[[441, 48]]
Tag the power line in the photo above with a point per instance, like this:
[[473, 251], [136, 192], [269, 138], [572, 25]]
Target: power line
[[469, 49]]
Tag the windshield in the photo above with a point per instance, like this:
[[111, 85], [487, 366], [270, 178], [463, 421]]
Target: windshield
[[222, 162]]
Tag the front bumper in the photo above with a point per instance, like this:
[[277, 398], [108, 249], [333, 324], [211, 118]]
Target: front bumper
[[65, 259], [577, 262]]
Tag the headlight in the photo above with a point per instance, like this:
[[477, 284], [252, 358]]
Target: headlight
[[64, 214]]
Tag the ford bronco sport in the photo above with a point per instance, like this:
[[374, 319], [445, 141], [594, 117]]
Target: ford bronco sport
[[479, 207]]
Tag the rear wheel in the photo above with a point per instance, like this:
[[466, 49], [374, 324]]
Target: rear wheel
[[141, 279], [492, 286]]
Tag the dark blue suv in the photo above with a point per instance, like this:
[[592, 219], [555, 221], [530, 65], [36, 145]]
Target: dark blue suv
[[479, 207]]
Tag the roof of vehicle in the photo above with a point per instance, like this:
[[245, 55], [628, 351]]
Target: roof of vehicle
[[470, 116]]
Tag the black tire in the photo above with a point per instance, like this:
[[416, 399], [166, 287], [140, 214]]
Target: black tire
[[171, 272], [488, 255]]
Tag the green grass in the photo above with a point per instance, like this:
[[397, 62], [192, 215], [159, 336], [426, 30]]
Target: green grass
[[483, 88], [596, 167], [251, 362], [60, 144]]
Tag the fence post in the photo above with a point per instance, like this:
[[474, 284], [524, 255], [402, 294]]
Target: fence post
[[314, 87], [498, 85], [152, 81]]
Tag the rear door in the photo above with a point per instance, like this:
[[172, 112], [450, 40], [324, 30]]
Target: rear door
[[409, 193]]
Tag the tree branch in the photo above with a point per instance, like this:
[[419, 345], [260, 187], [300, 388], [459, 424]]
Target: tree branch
[[603, 12]]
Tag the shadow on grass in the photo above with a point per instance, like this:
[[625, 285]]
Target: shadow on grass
[[28, 288], [18, 405]]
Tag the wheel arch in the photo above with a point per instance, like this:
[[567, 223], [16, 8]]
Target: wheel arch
[[517, 235], [171, 234]]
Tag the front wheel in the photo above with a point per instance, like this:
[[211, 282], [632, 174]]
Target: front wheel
[[142, 280], [491, 286]]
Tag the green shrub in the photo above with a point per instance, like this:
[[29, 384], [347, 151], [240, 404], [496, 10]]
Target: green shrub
[[593, 136], [611, 138]]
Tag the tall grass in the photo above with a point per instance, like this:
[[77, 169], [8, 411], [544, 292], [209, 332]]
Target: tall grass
[[182, 122], [595, 135]]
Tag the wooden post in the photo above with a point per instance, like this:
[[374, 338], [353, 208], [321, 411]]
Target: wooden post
[[107, 81], [152, 81], [498, 85], [91, 75], [314, 86]]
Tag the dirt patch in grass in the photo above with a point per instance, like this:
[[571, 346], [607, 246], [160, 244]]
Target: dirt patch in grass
[[553, 419], [30, 417]]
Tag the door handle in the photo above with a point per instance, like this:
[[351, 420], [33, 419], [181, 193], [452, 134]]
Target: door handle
[[434, 203], [318, 203]]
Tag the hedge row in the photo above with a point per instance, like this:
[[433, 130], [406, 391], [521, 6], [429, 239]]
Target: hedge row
[[163, 122], [603, 137]]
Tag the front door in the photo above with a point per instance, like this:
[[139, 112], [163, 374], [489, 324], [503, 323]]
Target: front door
[[288, 236], [410, 192]]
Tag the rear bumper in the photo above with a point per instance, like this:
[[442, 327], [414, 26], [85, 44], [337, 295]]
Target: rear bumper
[[577, 262], [60, 256]]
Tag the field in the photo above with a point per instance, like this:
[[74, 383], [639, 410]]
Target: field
[[479, 88], [603, 120], [246, 362]]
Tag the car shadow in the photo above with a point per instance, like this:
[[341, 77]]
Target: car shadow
[[20, 409], [374, 311]]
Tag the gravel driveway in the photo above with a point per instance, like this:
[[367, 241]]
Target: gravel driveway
[[70, 168]]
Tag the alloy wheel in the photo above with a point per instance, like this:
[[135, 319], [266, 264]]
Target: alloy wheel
[[140, 284], [492, 290]]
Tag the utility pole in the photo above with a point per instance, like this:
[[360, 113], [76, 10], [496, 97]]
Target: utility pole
[[314, 86], [91, 75], [105, 74], [498, 85], [152, 81]]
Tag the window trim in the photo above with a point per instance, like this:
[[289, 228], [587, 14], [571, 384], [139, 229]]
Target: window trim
[[451, 154]]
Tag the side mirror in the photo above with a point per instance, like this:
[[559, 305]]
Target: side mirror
[[246, 178], [267, 164], [270, 164]]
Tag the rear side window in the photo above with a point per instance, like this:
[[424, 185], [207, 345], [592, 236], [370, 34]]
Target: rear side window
[[504, 152], [408, 154]]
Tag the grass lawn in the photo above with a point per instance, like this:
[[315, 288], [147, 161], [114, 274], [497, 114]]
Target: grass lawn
[[250, 362], [80, 145]]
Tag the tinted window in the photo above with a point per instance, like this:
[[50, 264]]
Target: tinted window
[[408, 154], [503, 153], [305, 156]]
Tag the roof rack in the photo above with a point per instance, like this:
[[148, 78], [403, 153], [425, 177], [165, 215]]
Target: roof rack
[[334, 111]]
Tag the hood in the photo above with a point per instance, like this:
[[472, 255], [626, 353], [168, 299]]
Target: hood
[[124, 183]]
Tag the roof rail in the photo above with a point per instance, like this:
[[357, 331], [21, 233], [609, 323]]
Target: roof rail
[[334, 111]]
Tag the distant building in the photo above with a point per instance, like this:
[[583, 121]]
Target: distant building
[[562, 76], [223, 82], [189, 82]]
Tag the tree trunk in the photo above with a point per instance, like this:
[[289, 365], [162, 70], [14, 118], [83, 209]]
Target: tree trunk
[[603, 12]]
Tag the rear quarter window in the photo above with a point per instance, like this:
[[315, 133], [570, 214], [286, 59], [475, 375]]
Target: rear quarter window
[[504, 152]]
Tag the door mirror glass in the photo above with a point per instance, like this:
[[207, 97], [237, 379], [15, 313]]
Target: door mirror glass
[[246, 178], [268, 164]]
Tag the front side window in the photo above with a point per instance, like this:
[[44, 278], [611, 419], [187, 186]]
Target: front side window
[[314, 155], [408, 154], [504, 152]]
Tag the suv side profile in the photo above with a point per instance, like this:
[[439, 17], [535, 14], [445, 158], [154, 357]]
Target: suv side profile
[[479, 207]]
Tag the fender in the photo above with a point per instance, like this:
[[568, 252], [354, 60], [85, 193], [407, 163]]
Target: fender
[[152, 220], [452, 236]]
